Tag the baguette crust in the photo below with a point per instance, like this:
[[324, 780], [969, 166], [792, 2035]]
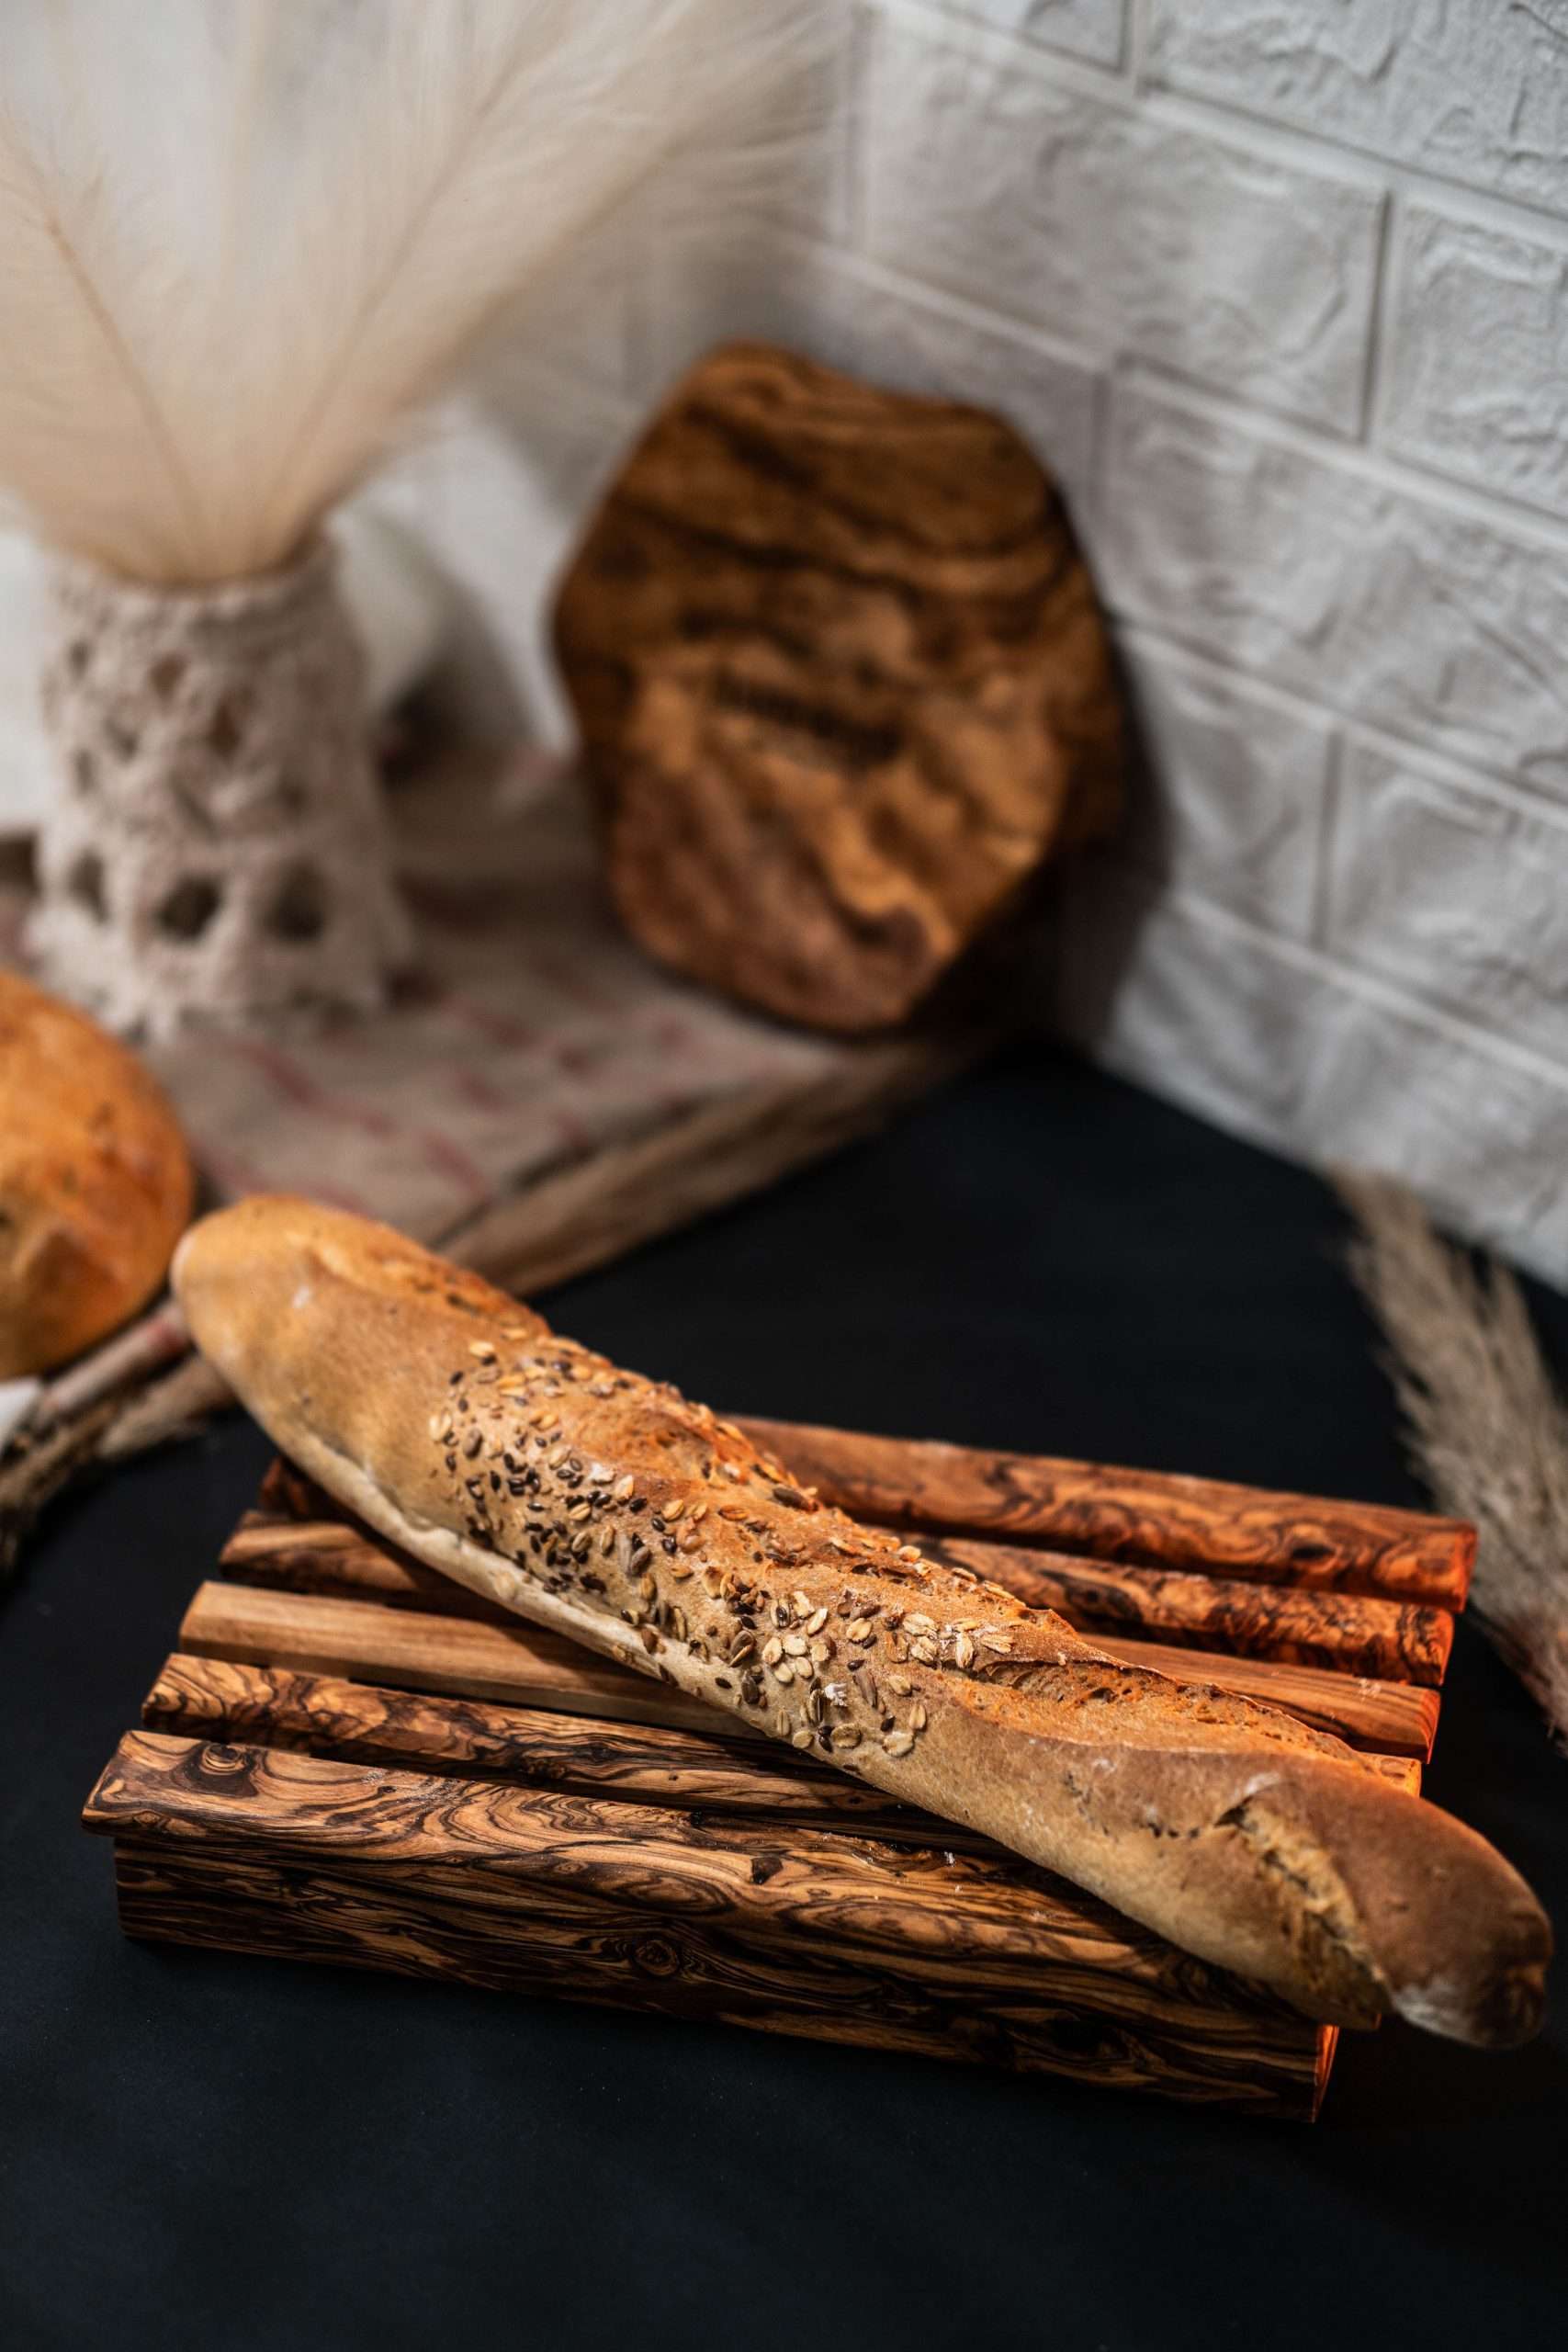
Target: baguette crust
[[610, 1508]]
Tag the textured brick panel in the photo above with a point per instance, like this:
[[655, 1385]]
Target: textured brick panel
[[702, 292], [1478, 385], [1114, 230], [1091, 28], [1281, 1049], [1234, 808], [1389, 605], [1456, 893], [1474, 89]]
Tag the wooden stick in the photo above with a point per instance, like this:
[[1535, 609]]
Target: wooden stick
[[1149, 1517], [139, 1352], [1397, 1718], [790, 1930], [210, 1698], [466, 1657], [521, 1664], [337, 1559], [329, 1555], [39, 1468], [207, 1698], [1343, 1631], [1340, 1632], [174, 1405]]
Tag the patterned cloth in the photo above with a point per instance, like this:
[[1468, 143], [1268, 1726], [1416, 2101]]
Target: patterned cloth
[[530, 1031]]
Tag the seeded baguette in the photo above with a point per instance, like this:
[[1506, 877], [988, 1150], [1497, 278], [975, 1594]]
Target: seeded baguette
[[610, 1508]]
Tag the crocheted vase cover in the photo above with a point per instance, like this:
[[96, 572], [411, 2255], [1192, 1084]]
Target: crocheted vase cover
[[216, 849]]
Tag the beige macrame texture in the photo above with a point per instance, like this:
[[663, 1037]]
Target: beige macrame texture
[[216, 851]]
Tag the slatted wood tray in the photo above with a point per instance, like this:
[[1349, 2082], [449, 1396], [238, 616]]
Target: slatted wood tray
[[350, 1759]]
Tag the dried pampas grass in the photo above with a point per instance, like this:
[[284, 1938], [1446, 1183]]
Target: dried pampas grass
[[243, 242], [1485, 1425]]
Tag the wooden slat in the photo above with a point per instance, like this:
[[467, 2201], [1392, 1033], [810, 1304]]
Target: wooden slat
[[327, 1555], [523, 1664], [1397, 1718], [519, 1663], [1341, 1633], [1146, 1517], [793, 1931], [208, 1698]]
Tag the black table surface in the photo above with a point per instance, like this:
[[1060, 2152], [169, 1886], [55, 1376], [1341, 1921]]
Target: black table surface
[[199, 2150]]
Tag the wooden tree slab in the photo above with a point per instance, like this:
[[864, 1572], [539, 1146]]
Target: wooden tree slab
[[933, 1952], [350, 1759], [842, 682]]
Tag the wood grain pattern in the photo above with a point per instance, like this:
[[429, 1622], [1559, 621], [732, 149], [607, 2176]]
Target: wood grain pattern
[[353, 1759], [835, 1938], [843, 680], [1154, 1519], [706, 1772], [1284, 1540], [1343, 1631], [222, 1699], [1396, 1718], [424, 1650], [326, 1556], [521, 1664]]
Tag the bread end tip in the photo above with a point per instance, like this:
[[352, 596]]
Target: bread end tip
[[1507, 2009]]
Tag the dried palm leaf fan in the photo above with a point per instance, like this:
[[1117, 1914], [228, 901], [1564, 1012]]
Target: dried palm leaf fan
[[242, 245]]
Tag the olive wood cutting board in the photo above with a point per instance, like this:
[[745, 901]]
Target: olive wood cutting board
[[350, 1759]]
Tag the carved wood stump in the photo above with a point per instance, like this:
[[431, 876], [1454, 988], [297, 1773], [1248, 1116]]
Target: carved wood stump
[[842, 682]]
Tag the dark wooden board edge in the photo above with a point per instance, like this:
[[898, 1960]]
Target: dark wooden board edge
[[248, 1849]]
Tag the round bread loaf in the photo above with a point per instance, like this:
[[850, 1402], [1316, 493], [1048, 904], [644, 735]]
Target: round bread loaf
[[94, 1182]]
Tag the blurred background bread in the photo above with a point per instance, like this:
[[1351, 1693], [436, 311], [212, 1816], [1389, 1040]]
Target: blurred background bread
[[96, 1181]]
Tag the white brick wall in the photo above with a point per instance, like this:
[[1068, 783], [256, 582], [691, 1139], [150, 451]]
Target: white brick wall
[[1475, 370], [1472, 91], [1135, 236], [1281, 289]]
